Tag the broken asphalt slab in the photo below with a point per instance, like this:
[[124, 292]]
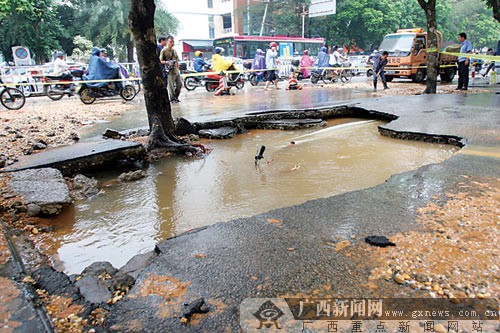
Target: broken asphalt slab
[[43, 188], [85, 156], [295, 254]]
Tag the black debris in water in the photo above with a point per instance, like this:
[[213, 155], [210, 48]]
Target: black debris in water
[[380, 241]]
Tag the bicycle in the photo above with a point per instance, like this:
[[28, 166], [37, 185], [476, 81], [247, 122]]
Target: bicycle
[[11, 98], [332, 75]]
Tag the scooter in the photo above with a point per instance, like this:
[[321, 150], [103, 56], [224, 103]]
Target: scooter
[[193, 82], [89, 94], [212, 81], [61, 86]]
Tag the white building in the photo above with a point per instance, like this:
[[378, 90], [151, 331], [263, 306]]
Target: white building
[[196, 26], [200, 21]]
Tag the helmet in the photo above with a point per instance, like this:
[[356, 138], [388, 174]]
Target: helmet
[[323, 49], [59, 54], [306, 52], [219, 49], [197, 53], [375, 51], [103, 50], [273, 44]]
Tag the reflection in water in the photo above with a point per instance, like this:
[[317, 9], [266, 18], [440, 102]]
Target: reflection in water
[[183, 193]]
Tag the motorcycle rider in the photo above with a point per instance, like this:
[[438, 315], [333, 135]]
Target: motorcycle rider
[[61, 68], [305, 63], [100, 69], [61, 71], [259, 62], [199, 62], [220, 64], [323, 58]]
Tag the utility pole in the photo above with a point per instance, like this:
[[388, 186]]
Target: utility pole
[[303, 14], [248, 18], [264, 18]]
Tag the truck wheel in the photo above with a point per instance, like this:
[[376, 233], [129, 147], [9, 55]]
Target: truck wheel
[[419, 76], [448, 75]]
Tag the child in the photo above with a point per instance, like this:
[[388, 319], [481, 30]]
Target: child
[[223, 88], [293, 84]]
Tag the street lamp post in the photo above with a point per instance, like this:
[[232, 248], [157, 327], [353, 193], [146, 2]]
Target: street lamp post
[[303, 14]]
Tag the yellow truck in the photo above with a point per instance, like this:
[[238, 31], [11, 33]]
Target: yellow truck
[[408, 56]]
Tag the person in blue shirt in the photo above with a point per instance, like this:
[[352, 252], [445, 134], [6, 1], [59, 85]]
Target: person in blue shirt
[[463, 62], [379, 62], [199, 63]]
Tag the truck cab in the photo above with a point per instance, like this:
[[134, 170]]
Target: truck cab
[[407, 50]]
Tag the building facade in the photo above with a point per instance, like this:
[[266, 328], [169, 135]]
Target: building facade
[[204, 20]]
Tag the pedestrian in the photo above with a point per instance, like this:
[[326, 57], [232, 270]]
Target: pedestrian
[[170, 60], [272, 65], [306, 63], [463, 62], [379, 62], [162, 42]]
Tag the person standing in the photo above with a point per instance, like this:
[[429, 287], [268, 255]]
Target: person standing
[[463, 62], [379, 62], [272, 65], [170, 59], [162, 42]]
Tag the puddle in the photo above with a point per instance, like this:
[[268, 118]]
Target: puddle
[[183, 193]]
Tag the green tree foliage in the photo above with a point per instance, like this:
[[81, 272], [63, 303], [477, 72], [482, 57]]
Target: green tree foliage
[[20, 6], [105, 22], [473, 18], [82, 50], [364, 23], [30, 24], [358, 22]]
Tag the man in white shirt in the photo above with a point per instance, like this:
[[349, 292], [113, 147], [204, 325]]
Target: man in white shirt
[[61, 68], [336, 58]]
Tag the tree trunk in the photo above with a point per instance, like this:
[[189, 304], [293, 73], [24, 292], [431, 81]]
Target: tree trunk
[[130, 50], [429, 7], [161, 124], [495, 6]]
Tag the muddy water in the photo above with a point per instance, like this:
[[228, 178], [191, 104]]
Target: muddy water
[[182, 193]]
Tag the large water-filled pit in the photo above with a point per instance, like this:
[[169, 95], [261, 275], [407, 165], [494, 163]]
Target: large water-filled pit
[[183, 193]]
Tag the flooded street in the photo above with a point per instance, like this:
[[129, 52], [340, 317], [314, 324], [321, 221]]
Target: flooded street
[[183, 193]]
